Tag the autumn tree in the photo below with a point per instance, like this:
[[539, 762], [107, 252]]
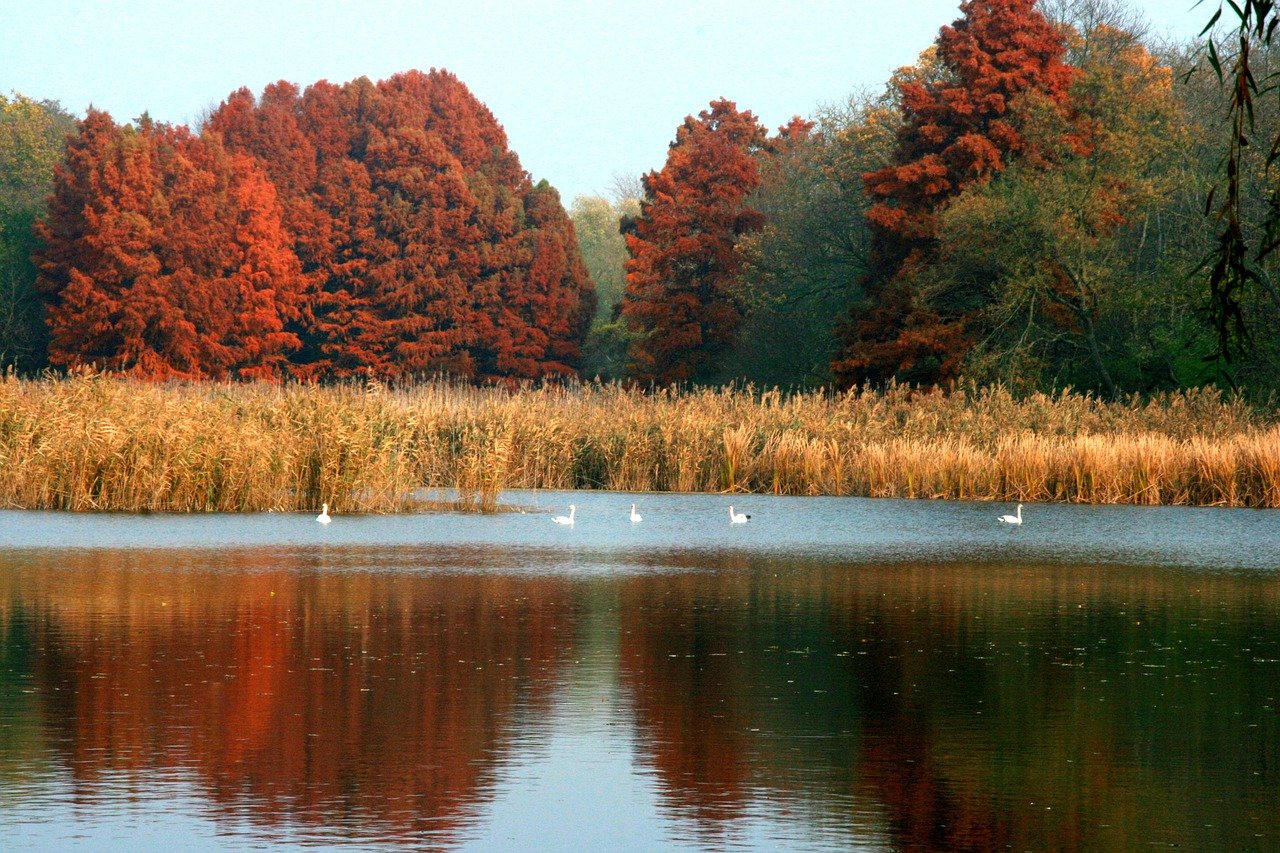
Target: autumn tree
[[959, 128], [1068, 258], [32, 140], [544, 311], [682, 295], [164, 256], [426, 247]]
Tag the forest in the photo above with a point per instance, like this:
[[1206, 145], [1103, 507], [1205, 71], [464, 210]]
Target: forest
[[1030, 205]]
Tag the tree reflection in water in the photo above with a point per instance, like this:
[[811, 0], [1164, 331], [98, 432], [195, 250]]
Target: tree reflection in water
[[900, 707], [383, 700]]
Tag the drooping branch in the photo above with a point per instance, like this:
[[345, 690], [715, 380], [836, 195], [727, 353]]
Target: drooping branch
[[1233, 263]]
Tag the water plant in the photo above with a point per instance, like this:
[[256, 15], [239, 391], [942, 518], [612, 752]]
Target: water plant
[[94, 442]]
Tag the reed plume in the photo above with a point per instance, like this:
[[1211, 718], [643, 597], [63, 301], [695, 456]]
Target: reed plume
[[93, 442]]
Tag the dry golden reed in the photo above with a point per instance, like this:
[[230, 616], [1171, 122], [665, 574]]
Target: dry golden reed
[[94, 442]]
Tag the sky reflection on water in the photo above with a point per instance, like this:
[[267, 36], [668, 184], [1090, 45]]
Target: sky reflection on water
[[845, 529], [838, 674]]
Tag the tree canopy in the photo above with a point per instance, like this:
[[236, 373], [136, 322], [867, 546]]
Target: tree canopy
[[32, 137], [426, 246], [681, 296], [368, 229], [1024, 205], [165, 256]]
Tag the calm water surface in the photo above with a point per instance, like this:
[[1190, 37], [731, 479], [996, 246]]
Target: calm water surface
[[838, 674]]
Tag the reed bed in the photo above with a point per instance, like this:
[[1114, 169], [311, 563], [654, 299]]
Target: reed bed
[[93, 442]]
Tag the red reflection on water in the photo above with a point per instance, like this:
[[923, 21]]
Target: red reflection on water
[[292, 693], [905, 707], [682, 675]]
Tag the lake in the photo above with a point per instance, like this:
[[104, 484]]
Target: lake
[[836, 674]]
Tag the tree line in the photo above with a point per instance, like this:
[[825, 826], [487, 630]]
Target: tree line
[[380, 230], [1026, 204]]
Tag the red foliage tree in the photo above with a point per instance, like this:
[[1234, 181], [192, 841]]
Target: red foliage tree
[[541, 311], [165, 256], [959, 128], [426, 246], [681, 294]]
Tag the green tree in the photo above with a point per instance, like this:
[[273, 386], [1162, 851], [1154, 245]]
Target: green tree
[[32, 141], [1053, 266], [801, 270], [599, 223]]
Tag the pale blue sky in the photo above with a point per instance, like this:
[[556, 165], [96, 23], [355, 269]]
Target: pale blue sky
[[585, 90]]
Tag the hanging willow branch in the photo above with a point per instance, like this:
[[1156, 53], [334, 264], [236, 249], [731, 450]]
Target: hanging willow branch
[[1233, 265]]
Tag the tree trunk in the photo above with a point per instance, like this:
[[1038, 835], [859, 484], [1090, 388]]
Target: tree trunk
[[1095, 351]]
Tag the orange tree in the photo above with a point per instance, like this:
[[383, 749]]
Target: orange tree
[[681, 297], [959, 128], [165, 256], [425, 245]]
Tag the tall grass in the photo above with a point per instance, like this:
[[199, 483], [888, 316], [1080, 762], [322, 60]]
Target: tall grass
[[98, 443]]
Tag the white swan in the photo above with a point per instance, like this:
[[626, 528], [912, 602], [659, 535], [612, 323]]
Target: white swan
[[566, 519], [323, 517], [737, 517], [1013, 519], [635, 516]]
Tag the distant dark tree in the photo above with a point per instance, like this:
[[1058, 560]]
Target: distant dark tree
[[801, 270]]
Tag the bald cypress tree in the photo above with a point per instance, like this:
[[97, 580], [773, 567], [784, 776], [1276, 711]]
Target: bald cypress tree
[[165, 256], [426, 246], [682, 295]]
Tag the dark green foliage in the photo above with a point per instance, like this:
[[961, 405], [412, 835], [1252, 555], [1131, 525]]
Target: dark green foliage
[[32, 137]]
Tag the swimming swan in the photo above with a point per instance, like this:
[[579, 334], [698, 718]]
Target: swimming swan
[[737, 517], [566, 519], [635, 516], [323, 517], [1013, 519]]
